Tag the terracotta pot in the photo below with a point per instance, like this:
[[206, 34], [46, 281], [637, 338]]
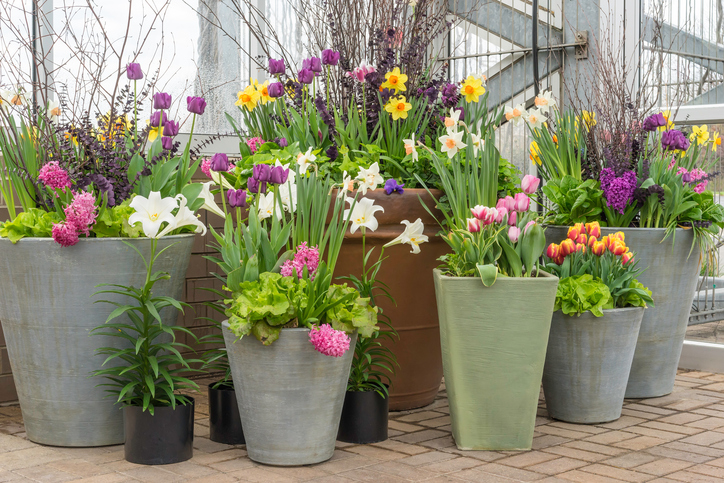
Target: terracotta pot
[[410, 282]]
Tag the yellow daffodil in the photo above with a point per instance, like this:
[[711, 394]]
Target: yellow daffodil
[[153, 133], [472, 88], [669, 124], [535, 153], [398, 107], [395, 80], [263, 90], [248, 98], [701, 134], [589, 118], [715, 140]]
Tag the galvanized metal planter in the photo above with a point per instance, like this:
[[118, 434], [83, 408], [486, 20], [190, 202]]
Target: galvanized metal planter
[[588, 364], [47, 311], [672, 270], [290, 396], [494, 343]]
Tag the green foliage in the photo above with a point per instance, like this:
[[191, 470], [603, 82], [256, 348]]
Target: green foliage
[[581, 293], [113, 222], [561, 156], [149, 365], [575, 201], [31, 223]]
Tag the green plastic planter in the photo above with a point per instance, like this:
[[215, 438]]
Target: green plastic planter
[[494, 343]]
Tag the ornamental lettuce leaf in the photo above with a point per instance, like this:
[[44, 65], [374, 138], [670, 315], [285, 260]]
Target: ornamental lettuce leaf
[[354, 312], [635, 295], [582, 293], [32, 223], [113, 222]]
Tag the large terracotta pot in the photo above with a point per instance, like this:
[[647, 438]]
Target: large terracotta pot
[[409, 277]]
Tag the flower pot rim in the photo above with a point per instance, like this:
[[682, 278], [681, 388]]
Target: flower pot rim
[[605, 311], [97, 239], [546, 276], [224, 387], [225, 323], [191, 399]]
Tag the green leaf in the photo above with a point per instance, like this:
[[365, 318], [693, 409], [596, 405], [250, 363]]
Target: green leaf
[[488, 274]]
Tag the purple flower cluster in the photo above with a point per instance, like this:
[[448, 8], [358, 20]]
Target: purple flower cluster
[[450, 95], [673, 140], [618, 190]]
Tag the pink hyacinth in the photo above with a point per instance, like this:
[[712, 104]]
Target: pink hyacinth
[[701, 187], [329, 341], [54, 177], [81, 212], [305, 256], [206, 167], [697, 174], [254, 143], [65, 234]]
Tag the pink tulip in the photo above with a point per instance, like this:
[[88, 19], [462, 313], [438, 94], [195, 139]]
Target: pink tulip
[[501, 204], [529, 184], [509, 203], [513, 218], [490, 216], [522, 202], [473, 225], [514, 233], [502, 212], [528, 225], [479, 211], [360, 72]]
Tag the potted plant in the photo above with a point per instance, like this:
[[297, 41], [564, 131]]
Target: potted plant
[[493, 352], [598, 312], [75, 184], [290, 328], [147, 369], [632, 171]]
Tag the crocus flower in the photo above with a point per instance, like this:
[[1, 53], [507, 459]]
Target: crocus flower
[[567, 247], [330, 57], [53, 176], [329, 341], [529, 184], [262, 172], [170, 128], [167, 143], [522, 202], [219, 162], [276, 89], [363, 214], [306, 76], [553, 251], [236, 198], [514, 233], [134, 72], [593, 229], [513, 218], [413, 235], [391, 186], [473, 225], [161, 100], [195, 105], [157, 118], [276, 67], [152, 212]]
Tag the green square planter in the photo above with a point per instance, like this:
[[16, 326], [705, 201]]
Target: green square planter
[[494, 343]]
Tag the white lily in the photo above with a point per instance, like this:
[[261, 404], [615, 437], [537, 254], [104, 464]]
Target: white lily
[[347, 185], [363, 214], [209, 203], [369, 178], [515, 114], [545, 101], [267, 206], [152, 212], [410, 147], [412, 235], [452, 142], [305, 160], [535, 118], [184, 217], [452, 121]]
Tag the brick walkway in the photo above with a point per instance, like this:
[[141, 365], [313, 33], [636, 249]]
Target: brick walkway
[[677, 438]]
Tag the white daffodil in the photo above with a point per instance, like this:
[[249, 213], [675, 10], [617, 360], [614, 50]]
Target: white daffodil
[[184, 217], [410, 147], [347, 185], [452, 121], [362, 215], [288, 195], [515, 114], [476, 142], [545, 101], [535, 118], [452, 142], [304, 160], [369, 178], [268, 206], [152, 212], [53, 111], [412, 235], [209, 203], [15, 98]]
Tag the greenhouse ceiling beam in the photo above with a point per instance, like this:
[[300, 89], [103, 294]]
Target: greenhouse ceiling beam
[[517, 77], [712, 96]]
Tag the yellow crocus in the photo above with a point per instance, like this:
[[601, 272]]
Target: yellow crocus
[[395, 80], [248, 98], [472, 88], [701, 134], [398, 107]]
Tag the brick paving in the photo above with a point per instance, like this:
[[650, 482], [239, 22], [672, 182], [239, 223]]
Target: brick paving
[[676, 438]]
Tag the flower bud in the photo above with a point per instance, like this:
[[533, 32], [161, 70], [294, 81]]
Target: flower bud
[[161, 100], [598, 248], [134, 72], [276, 89], [166, 143], [236, 198], [567, 247], [262, 172], [276, 67], [195, 105], [593, 229], [219, 162], [529, 184], [580, 247], [514, 233], [513, 218], [522, 202]]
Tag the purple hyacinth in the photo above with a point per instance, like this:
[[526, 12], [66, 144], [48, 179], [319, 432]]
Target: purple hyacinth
[[674, 139], [618, 190]]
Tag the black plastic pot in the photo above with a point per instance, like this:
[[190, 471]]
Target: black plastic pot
[[364, 418], [164, 438], [224, 420]]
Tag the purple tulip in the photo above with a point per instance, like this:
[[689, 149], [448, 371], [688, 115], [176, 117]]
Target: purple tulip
[[391, 186], [282, 142], [654, 121], [167, 143], [276, 89], [276, 67], [161, 100], [255, 186], [262, 172], [673, 139], [686, 177], [330, 57], [314, 64], [195, 105], [278, 175], [134, 72], [306, 76], [236, 198], [170, 128], [156, 118], [219, 162]]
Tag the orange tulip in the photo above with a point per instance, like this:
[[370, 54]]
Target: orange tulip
[[567, 247], [606, 241], [553, 251], [598, 248], [593, 229], [575, 231], [559, 260]]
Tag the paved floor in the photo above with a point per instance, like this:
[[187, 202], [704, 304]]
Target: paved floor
[[677, 438]]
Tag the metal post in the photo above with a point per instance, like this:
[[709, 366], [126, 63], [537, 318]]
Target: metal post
[[534, 45]]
